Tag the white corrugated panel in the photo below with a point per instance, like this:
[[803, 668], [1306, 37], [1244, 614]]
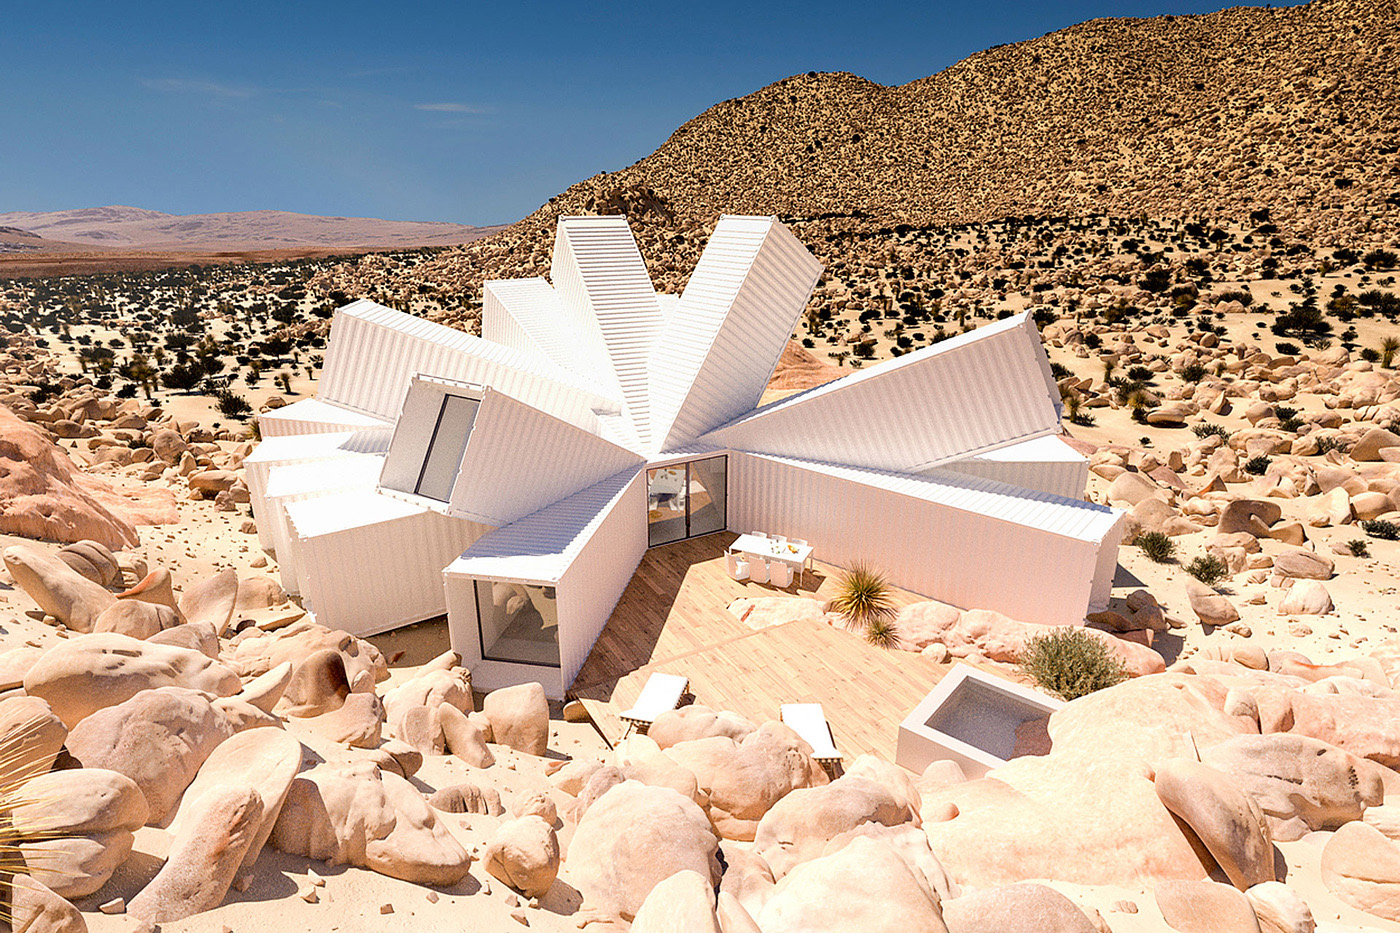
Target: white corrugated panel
[[367, 563], [586, 546], [964, 396], [600, 277], [972, 543], [527, 315], [739, 307], [313, 416], [303, 448], [300, 481], [1045, 464], [378, 350], [519, 460]]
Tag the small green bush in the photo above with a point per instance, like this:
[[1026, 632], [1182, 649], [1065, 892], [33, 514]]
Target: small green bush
[[1208, 568], [1204, 431], [1257, 466], [1327, 444], [1071, 662], [1158, 547], [1380, 528], [1193, 372], [1359, 547], [862, 596], [882, 632]]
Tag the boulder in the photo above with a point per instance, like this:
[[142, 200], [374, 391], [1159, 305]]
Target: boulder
[[1306, 598], [1302, 564], [93, 560], [698, 722], [196, 637], [267, 760], [358, 722], [1368, 449], [266, 689], [260, 592], [1365, 726], [168, 445], [59, 590], [911, 844], [743, 780], [818, 895], [31, 737], [92, 672], [467, 798], [1280, 909], [1210, 607], [1016, 908], [253, 652], [357, 814], [319, 684], [1300, 783], [536, 803], [519, 717], [464, 738], [799, 826], [205, 856], [212, 600], [574, 774], [155, 587], [158, 738], [1252, 516], [683, 903], [524, 853], [430, 689], [1205, 907], [1362, 867], [85, 819], [136, 619], [33, 908], [632, 838], [1229, 823]]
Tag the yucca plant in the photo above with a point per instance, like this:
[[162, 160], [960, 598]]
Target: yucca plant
[[882, 632], [1389, 346], [862, 597], [18, 809]]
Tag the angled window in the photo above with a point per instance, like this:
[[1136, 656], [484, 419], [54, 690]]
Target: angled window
[[445, 448], [518, 622]]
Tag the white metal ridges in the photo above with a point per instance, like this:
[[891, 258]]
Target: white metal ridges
[[519, 460], [1046, 464], [527, 315], [738, 310], [958, 398], [603, 284]]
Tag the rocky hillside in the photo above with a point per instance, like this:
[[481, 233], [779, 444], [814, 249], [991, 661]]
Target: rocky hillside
[[1287, 114]]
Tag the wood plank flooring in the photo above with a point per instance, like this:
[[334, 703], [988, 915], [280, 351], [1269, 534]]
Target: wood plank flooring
[[674, 618]]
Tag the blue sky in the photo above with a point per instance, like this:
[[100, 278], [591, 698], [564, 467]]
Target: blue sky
[[462, 111]]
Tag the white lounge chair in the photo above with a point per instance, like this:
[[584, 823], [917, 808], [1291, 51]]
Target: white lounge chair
[[661, 693], [780, 574], [738, 567], [758, 570], [808, 721]]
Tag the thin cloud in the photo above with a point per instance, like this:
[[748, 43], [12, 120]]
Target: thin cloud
[[451, 107], [206, 88]]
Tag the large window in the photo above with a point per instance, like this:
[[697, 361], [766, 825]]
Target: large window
[[445, 448], [686, 500], [518, 622]]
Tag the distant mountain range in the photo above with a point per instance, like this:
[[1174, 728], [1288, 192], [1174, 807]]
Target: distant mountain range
[[135, 228]]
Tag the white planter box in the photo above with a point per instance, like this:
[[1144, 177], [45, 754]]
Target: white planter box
[[971, 718]]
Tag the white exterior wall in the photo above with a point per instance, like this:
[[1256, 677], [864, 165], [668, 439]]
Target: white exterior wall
[[374, 352], [959, 556], [313, 416], [736, 314], [964, 396], [377, 575], [302, 448], [302, 481], [602, 280], [527, 315], [1044, 464]]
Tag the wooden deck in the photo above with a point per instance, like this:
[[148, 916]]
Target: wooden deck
[[674, 618]]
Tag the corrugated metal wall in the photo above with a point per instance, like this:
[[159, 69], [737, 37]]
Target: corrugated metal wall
[[953, 550], [734, 318], [1045, 464], [599, 275], [313, 416], [374, 577], [527, 315], [519, 460], [302, 448], [379, 350], [959, 397], [301, 481]]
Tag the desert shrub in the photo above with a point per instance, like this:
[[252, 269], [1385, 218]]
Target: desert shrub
[[1380, 259], [1286, 349], [1158, 547], [1140, 374], [1370, 354], [862, 596], [1389, 347], [1243, 297], [1327, 444], [1060, 371], [1193, 372], [882, 632], [126, 390], [1208, 568], [231, 405], [1257, 466], [1071, 662], [1205, 430], [1380, 528], [1359, 548]]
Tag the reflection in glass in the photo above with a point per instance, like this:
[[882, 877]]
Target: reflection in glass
[[706, 496], [685, 500], [666, 500], [445, 449], [519, 622]]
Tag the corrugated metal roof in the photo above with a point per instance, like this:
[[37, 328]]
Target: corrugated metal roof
[[739, 307], [1049, 448], [296, 479], [519, 459], [540, 547], [329, 514], [312, 415], [602, 281], [375, 351], [527, 315], [1073, 518], [320, 446], [960, 397]]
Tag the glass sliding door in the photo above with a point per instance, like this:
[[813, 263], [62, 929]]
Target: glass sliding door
[[685, 500], [518, 622]]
